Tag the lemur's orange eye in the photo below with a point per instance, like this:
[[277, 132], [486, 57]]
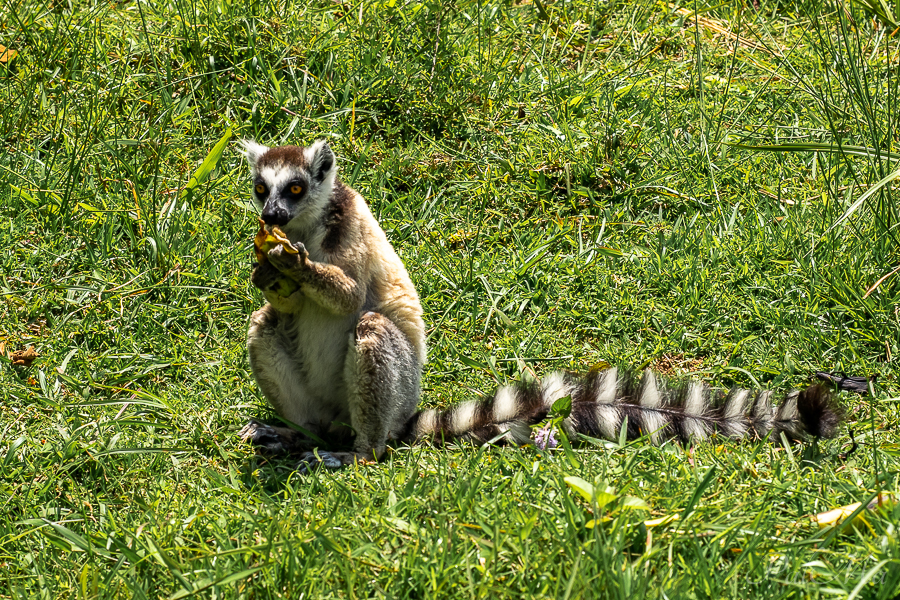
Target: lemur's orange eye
[[296, 189], [260, 188]]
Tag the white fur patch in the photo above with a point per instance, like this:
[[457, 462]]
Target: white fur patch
[[737, 404], [427, 423], [788, 409], [554, 387], [762, 406], [517, 433], [608, 421], [694, 405], [735, 425], [463, 417], [309, 153], [652, 420], [606, 391], [277, 177], [506, 407], [252, 151], [649, 391]]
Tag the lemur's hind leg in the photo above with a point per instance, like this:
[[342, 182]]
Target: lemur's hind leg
[[274, 368], [387, 375], [383, 376]]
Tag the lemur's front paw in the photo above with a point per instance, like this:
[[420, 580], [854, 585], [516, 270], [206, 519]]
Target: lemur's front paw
[[266, 277], [264, 437], [271, 439], [263, 274], [286, 261]]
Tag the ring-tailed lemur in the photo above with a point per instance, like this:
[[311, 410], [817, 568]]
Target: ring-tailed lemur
[[343, 354]]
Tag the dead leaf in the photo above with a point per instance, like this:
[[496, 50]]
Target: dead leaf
[[25, 357], [836, 516], [7, 54]]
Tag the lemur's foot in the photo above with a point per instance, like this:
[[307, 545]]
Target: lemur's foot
[[269, 439], [309, 461]]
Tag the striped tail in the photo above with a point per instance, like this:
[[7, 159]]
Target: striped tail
[[603, 402]]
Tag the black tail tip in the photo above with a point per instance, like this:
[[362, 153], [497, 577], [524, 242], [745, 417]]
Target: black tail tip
[[820, 412]]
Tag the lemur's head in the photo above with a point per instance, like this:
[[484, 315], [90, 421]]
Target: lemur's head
[[290, 181]]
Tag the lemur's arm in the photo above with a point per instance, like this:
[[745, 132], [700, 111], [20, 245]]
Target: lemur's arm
[[329, 286]]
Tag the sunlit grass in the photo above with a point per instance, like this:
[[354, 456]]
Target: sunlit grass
[[706, 190]]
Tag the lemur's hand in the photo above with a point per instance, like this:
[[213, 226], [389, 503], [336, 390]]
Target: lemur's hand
[[287, 262], [266, 277]]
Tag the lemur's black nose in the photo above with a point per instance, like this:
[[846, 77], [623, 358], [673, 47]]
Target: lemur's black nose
[[275, 215]]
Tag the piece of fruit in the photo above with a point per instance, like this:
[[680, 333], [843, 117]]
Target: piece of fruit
[[268, 237]]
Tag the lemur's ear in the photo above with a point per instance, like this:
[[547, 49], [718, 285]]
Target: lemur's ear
[[320, 159], [252, 151]]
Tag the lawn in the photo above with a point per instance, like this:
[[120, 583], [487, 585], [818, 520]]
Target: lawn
[[703, 189]]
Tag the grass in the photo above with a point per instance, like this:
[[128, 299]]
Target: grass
[[568, 183]]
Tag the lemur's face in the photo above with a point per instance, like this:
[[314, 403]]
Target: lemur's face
[[288, 181]]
